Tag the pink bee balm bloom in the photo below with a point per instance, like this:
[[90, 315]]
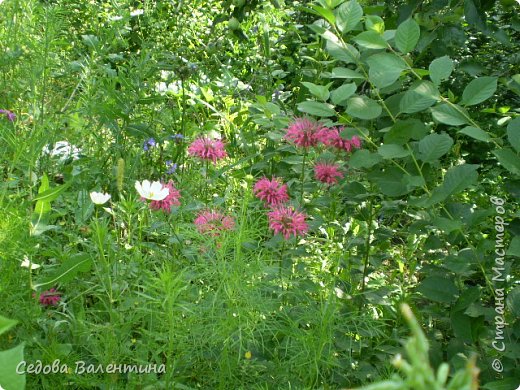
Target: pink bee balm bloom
[[303, 132], [327, 173], [272, 191], [287, 221], [207, 149], [332, 137], [172, 199], [213, 222], [50, 297]]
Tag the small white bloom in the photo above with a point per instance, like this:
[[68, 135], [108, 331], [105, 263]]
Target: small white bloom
[[137, 12], [115, 18], [151, 191], [28, 264], [99, 197], [63, 150]]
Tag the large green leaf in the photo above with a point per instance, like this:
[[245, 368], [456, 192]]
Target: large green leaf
[[363, 107], [371, 40], [364, 159], [348, 15], [404, 130], [420, 96], [340, 95], [476, 133], [324, 13], [407, 36], [392, 151], [438, 289], [320, 91], [81, 262], [513, 133], [457, 179], [6, 324], [385, 69], [450, 114], [390, 181], [9, 360], [434, 146], [43, 206], [346, 53], [440, 69], [51, 194], [479, 90], [346, 73], [509, 160], [317, 108]]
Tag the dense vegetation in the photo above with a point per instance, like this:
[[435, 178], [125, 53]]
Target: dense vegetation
[[258, 194]]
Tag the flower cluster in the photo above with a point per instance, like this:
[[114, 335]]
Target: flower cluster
[[9, 115], [327, 172], [304, 132], [172, 199], [50, 297], [207, 149], [272, 192], [213, 222]]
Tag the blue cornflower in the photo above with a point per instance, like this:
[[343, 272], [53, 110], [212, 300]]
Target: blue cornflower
[[176, 137], [149, 143], [172, 167]]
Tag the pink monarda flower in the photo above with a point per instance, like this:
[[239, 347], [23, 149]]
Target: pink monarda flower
[[172, 199], [50, 297], [304, 132], [287, 221], [272, 192], [207, 149], [213, 222], [332, 137], [327, 172]]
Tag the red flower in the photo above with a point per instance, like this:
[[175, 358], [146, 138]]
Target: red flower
[[303, 132], [327, 173], [272, 191], [50, 297], [213, 222], [171, 200], [332, 137], [207, 149], [287, 221]]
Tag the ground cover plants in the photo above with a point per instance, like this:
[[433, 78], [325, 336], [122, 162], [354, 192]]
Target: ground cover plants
[[259, 195]]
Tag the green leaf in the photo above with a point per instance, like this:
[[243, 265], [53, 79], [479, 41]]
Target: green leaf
[[52, 193], [81, 262], [513, 133], [404, 130], [43, 207], [440, 69], [450, 114], [364, 159], [370, 40], [385, 69], [476, 133], [457, 179], [392, 151], [407, 35], [363, 108], [434, 146], [375, 23], [514, 247], [390, 181], [438, 289], [420, 96], [317, 108], [513, 300], [508, 159], [320, 91], [9, 360], [6, 324], [340, 95], [324, 13], [479, 90], [348, 15], [345, 73], [346, 53]]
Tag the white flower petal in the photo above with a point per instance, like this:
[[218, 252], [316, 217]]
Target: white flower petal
[[27, 263], [99, 197]]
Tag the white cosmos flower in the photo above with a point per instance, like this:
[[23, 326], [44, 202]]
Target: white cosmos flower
[[99, 197], [152, 191], [28, 264]]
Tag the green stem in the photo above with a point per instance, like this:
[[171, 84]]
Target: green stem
[[367, 249], [302, 178]]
